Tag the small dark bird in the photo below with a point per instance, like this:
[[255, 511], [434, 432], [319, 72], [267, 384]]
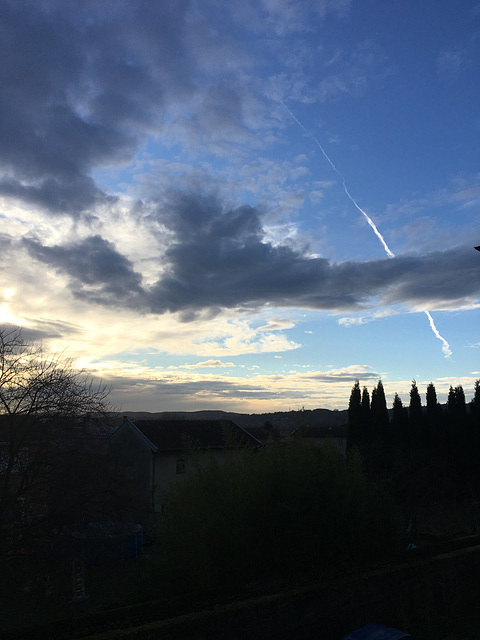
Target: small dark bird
[[477, 248]]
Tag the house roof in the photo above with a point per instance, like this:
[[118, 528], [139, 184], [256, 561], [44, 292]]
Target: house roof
[[42, 429], [263, 435], [178, 435]]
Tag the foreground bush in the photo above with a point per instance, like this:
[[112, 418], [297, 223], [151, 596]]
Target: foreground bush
[[284, 512]]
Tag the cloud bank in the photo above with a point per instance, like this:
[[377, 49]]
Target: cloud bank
[[218, 258]]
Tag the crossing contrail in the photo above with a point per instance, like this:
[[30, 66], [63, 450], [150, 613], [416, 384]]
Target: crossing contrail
[[347, 192], [445, 346]]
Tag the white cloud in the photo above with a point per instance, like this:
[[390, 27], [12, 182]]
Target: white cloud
[[348, 321], [206, 364]]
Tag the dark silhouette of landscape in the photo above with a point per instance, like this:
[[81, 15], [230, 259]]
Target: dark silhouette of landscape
[[335, 517]]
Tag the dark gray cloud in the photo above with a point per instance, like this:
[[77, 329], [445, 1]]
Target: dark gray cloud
[[221, 388], [219, 258], [45, 330], [5, 242], [97, 271], [81, 85]]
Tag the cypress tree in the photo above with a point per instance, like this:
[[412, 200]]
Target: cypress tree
[[474, 422], [355, 436], [463, 440], [460, 403], [448, 440], [475, 407], [450, 405], [400, 426], [366, 417], [433, 417], [460, 408], [379, 414], [416, 416], [456, 424]]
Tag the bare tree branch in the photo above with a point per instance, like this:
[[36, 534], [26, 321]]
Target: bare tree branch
[[43, 400]]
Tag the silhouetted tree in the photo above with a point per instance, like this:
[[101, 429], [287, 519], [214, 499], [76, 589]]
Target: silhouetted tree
[[433, 417], [400, 426], [366, 415], [416, 416], [450, 407], [42, 399], [474, 430], [379, 414], [355, 436], [456, 441], [449, 436], [460, 406], [475, 406], [464, 443]]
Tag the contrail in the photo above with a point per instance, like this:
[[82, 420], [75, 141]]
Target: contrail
[[445, 346], [347, 192]]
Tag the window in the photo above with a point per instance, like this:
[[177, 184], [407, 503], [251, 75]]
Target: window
[[180, 465]]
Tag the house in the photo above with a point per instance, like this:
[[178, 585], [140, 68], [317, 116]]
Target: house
[[22, 469], [51, 473], [151, 454], [265, 435], [322, 434]]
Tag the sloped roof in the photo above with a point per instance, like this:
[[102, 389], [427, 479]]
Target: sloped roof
[[263, 435], [178, 435], [40, 428]]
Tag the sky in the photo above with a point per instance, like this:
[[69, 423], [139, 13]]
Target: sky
[[244, 206]]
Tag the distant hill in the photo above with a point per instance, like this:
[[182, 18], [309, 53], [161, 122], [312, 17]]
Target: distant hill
[[283, 421]]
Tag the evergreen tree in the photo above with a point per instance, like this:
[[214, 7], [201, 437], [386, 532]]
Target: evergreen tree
[[463, 437], [460, 407], [448, 439], [366, 417], [379, 414], [355, 436], [400, 426], [456, 440], [474, 429], [474, 413], [475, 407], [450, 405], [416, 416], [433, 417], [456, 411]]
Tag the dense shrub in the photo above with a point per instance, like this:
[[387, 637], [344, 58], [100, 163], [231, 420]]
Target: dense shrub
[[284, 512]]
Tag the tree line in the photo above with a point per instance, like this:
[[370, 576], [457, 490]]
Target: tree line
[[447, 436]]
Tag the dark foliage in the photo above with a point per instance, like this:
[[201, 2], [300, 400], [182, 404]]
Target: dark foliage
[[426, 454], [380, 423], [356, 426], [283, 513]]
